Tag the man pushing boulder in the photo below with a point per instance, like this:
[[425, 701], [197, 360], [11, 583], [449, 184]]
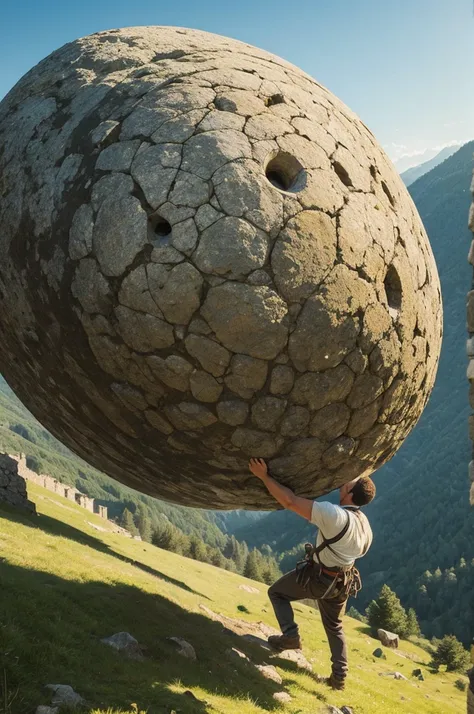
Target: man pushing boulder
[[328, 573]]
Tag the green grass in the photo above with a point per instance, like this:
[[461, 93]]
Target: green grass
[[65, 585]]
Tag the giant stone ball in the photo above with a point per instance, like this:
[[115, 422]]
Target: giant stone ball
[[206, 256]]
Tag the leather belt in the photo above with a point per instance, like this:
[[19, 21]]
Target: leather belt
[[332, 573]]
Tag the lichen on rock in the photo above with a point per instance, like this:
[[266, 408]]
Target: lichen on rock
[[216, 260]]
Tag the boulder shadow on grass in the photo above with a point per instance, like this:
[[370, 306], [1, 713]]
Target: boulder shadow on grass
[[52, 627], [64, 530]]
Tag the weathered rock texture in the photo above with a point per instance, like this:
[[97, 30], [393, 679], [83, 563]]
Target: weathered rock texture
[[206, 256], [388, 639], [13, 486]]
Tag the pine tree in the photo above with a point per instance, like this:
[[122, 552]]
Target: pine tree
[[126, 521], [270, 571], [197, 549], [166, 536], [143, 524], [355, 614], [413, 627], [387, 613], [451, 653], [216, 558], [252, 566], [241, 556], [183, 545], [230, 547]]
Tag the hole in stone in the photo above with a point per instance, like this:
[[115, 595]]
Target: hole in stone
[[274, 99], [159, 230], [386, 191], [373, 171], [285, 172], [393, 291], [223, 104], [342, 173], [162, 227]]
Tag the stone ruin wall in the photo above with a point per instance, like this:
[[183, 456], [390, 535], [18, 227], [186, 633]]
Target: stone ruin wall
[[13, 486], [52, 484]]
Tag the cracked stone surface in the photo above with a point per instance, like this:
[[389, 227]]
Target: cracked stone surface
[[206, 256]]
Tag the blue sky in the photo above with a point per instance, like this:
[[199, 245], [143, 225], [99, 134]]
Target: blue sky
[[405, 67]]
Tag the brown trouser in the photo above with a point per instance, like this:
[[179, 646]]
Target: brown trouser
[[285, 590]]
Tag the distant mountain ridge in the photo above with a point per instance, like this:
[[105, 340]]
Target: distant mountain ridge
[[415, 172]]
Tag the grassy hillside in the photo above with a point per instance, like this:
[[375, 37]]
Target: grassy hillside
[[66, 584]]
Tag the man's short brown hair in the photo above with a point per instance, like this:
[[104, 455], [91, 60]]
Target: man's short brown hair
[[363, 492]]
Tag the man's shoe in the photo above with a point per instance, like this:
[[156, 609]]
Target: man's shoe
[[335, 682], [283, 642]]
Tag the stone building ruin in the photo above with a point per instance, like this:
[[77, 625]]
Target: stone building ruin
[[13, 486], [20, 474]]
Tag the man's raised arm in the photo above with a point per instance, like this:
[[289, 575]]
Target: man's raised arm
[[285, 496]]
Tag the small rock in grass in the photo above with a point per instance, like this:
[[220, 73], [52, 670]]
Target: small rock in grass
[[191, 695], [282, 697], [395, 675], [234, 652], [65, 696], [249, 589], [388, 639], [185, 649], [269, 672], [46, 710], [294, 656], [126, 644]]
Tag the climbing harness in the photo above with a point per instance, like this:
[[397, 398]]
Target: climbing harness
[[344, 579]]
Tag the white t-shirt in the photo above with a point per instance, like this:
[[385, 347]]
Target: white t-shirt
[[330, 520]]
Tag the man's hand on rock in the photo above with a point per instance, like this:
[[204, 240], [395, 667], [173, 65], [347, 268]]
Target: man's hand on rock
[[259, 468]]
